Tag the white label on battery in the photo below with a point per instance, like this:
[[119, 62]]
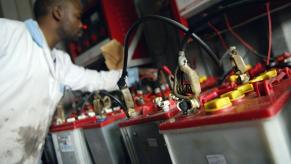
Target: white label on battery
[[152, 142], [216, 159], [65, 143]]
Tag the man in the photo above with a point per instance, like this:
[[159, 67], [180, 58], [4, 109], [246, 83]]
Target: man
[[33, 75]]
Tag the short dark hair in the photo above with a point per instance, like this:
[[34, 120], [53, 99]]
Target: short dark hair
[[42, 7]]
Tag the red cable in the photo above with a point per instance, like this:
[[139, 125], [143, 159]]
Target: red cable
[[270, 32], [217, 32], [244, 43]]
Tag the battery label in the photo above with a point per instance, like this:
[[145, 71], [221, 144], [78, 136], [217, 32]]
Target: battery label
[[152, 142], [65, 143], [216, 159]]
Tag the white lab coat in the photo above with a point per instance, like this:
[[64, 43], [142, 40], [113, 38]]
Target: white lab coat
[[31, 86]]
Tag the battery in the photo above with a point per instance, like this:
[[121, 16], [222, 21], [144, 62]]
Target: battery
[[105, 141], [70, 145], [143, 141], [49, 154], [255, 130]]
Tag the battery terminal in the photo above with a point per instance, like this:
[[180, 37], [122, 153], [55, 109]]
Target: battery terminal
[[240, 66]]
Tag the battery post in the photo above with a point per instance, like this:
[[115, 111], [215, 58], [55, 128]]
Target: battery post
[[240, 66]]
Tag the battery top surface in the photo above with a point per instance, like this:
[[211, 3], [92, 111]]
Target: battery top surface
[[158, 116], [250, 107]]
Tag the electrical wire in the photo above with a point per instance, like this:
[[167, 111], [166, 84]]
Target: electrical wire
[[191, 34], [224, 45], [270, 32], [220, 10], [274, 10], [221, 81], [241, 40], [236, 35], [115, 99], [107, 94], [121, 82]]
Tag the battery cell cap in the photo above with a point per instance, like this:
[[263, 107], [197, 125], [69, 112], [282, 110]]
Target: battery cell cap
[[202, 79], [217, 104], [234, 95], [246, 88]]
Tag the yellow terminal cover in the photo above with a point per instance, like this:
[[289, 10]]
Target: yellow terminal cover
[[217, 104], [246, 88], [267, 75], [270, 74], [233, 78], [202, 79], [258, 78], [233, 95]]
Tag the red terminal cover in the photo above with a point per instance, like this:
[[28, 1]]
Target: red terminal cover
[[226, 88], [263, 88], [210, 82], [208, 95], [256, 70], [167, 70]]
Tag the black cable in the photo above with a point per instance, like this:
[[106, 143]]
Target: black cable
[[116, 100], [189, 34], [121, 83], [220, 81], [107, 94]]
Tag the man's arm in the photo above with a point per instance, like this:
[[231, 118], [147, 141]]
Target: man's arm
[[79, 78], [3, 33]]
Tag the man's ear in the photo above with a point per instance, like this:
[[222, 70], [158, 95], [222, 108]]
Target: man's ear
[[58, 12]]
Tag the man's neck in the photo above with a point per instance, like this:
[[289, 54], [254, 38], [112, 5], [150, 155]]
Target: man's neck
[[49, 33]]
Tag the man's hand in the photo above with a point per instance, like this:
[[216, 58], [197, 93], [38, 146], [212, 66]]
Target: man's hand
[[113, 54]]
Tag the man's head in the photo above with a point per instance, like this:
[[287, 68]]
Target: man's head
[[64, 16]]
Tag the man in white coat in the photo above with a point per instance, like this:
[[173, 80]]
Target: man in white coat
[[33, 75]]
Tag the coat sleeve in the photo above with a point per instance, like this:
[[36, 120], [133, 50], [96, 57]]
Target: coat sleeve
[[79, 78], [3, 36]]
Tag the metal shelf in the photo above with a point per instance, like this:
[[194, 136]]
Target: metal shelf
[[91, 55]]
